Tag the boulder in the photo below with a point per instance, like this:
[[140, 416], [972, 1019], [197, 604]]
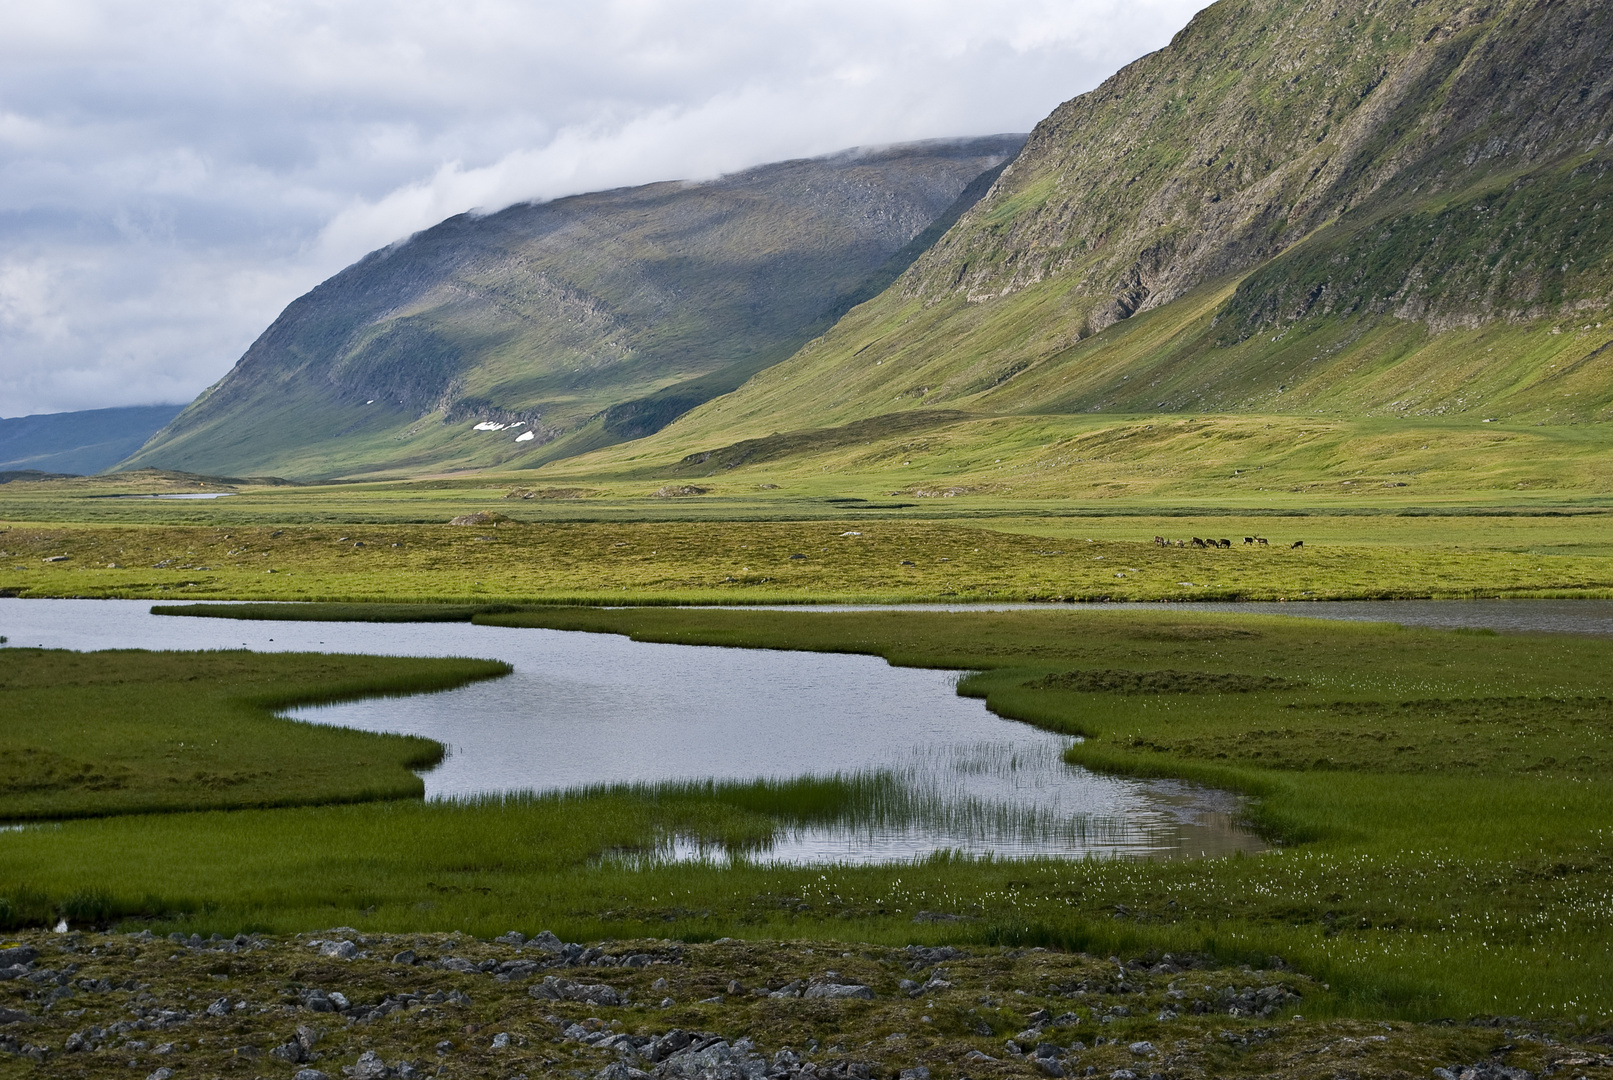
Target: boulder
[[839, 991]]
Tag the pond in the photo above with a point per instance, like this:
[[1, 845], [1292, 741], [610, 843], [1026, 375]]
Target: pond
[[584, 710]]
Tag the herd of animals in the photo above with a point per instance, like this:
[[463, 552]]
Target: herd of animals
[[1207, 543]]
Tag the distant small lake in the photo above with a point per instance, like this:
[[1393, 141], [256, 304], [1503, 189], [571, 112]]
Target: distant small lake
[[598, 709]]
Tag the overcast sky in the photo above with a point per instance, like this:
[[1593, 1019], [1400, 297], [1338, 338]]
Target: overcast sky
[[172, 175]]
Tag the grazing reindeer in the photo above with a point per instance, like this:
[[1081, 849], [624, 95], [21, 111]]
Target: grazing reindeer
[[1197, 542], [1226, 543], [1296, 544], [1248, 539], [1160, 541], [1260, 540]]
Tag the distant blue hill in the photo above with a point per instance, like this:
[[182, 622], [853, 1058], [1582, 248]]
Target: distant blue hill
[[79, 442]]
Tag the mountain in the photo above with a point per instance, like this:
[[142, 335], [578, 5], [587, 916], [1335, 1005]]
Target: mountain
[[78, 442], [1352, 208], [520, 336]]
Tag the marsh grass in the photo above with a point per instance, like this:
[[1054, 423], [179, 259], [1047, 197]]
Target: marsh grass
[[132, 731]]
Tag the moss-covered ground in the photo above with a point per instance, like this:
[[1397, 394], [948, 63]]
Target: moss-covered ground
[[454, 1005]]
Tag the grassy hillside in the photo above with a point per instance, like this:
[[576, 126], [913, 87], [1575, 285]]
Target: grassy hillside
[[574, 323], [1335, 211]]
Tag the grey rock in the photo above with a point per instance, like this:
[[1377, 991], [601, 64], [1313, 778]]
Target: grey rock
[[13, 1016], [917, 1072], [317, 1001], [221, 1007], [839, 991], [340, 950], [407, 956], [622, 1071], [310, 1074], [18, 954], [289, 1052], [1048, 1066], [547, 942], [714, 1061], [501, 1040], [1484, 1070], [512, 937], [161, 1074], [1141, 1049], [15, 971], [308, 1036], [369, 1066], [557, 989], [460, 964]]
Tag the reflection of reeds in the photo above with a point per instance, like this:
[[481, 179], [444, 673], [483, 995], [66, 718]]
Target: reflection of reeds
[[913, 802]]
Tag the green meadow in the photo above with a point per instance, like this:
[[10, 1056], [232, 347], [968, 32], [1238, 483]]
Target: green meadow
[[129, 731], [1440, 801]]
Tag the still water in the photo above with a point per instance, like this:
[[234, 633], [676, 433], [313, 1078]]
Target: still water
[[597, 709]]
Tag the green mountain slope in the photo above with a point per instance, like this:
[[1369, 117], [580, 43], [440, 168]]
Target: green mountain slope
[[1354, 208], [574, 323]]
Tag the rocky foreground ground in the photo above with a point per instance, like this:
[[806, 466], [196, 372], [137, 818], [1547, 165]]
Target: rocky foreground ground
[[347, 1004]]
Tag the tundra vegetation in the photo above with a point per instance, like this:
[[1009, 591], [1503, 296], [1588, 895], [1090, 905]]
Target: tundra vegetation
[[1438, 799]]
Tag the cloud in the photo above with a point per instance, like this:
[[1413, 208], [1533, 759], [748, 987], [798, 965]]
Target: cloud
[[171, 176]]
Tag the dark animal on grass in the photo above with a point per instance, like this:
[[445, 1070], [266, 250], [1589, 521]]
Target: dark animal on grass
[[1248, 539], [1260, 540], [1296, 544], [1225, 542], [1161, 541], [1198, 543]]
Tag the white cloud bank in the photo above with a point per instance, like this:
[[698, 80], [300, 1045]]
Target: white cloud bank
[[172, 175]]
